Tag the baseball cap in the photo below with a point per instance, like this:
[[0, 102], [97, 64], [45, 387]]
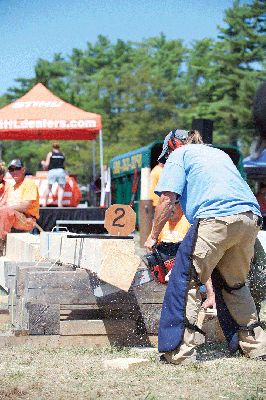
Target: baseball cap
[[15, 163], [174, 134]]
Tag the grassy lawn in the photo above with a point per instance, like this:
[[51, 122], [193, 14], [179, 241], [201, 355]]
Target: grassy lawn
[[69, 373], [78, 373]]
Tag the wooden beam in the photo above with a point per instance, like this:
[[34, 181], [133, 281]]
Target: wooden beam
[[55, 341], [44, 319], [97, 327]]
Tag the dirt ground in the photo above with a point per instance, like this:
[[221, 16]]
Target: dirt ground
[[78, 373], [28, 373]]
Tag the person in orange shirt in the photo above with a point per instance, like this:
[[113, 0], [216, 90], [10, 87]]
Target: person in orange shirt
[[155, 175], [21, 208], [175, 228], [3, 184]]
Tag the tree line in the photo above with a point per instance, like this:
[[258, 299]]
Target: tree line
[[144, 89]]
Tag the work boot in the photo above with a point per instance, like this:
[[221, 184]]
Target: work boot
[[167, 358]]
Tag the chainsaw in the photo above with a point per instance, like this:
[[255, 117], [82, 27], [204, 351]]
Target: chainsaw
[[161, 260]]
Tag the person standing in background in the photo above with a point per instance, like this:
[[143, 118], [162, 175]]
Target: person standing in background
[[55, 164], [155, 176]]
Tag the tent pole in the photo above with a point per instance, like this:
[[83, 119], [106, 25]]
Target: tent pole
[[93, 161], [102, 171], [94, 197]]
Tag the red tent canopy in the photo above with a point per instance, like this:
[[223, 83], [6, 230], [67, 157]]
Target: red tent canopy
[[40, 115]]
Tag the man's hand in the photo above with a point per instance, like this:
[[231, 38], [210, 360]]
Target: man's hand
[[209, 303], [162, 214], [21, 206], [150, 242]]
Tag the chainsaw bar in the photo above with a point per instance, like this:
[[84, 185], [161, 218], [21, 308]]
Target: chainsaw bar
[[141, 278]]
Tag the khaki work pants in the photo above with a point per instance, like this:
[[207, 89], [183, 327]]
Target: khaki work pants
[[228, 244]]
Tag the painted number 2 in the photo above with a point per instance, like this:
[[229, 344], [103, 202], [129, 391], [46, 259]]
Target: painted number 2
[[121, 212]]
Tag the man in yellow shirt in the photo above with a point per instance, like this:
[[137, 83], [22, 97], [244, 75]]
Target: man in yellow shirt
[[155, 175], [175, 228], [21, 209]]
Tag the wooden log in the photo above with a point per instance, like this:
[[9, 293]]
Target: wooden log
[[56, 341], [59, 279], [16, 309], [21, 274], [128, 363], [72, 289], [23, 269], [55, 287], [145, 219], [94, 311], [150, 293], [19, 315], [59, 295], [81, 279], [9, 270], [149, 318], [97, 327], [44, 319]]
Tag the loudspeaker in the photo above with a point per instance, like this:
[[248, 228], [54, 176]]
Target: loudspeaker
[[205, 127]]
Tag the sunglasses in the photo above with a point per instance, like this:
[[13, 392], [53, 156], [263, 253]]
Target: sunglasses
[[12, 169]]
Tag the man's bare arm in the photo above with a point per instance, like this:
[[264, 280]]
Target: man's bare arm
[[210, 301], [22, 206], [162, 214]]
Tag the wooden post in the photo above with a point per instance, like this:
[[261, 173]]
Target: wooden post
[[145, 206], [145, 219]]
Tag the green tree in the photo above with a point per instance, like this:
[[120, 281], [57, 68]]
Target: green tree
[[144, 89], [238, 69]]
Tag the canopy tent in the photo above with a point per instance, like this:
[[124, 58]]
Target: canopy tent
[[40, 115]]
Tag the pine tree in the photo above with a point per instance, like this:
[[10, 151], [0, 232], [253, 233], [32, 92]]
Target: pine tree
[[239, 68]]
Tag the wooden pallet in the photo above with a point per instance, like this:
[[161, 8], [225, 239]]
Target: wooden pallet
[[61, 302]]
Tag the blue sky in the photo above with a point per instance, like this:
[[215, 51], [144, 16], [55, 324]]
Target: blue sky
[[32, 29]]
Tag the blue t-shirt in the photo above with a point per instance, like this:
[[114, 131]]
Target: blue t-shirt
[[207, 181]]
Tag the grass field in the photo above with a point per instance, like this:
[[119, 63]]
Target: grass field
[[78, 373], [28, 373]]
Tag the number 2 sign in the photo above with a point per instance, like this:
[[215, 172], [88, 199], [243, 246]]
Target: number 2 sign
[[120, 219]]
